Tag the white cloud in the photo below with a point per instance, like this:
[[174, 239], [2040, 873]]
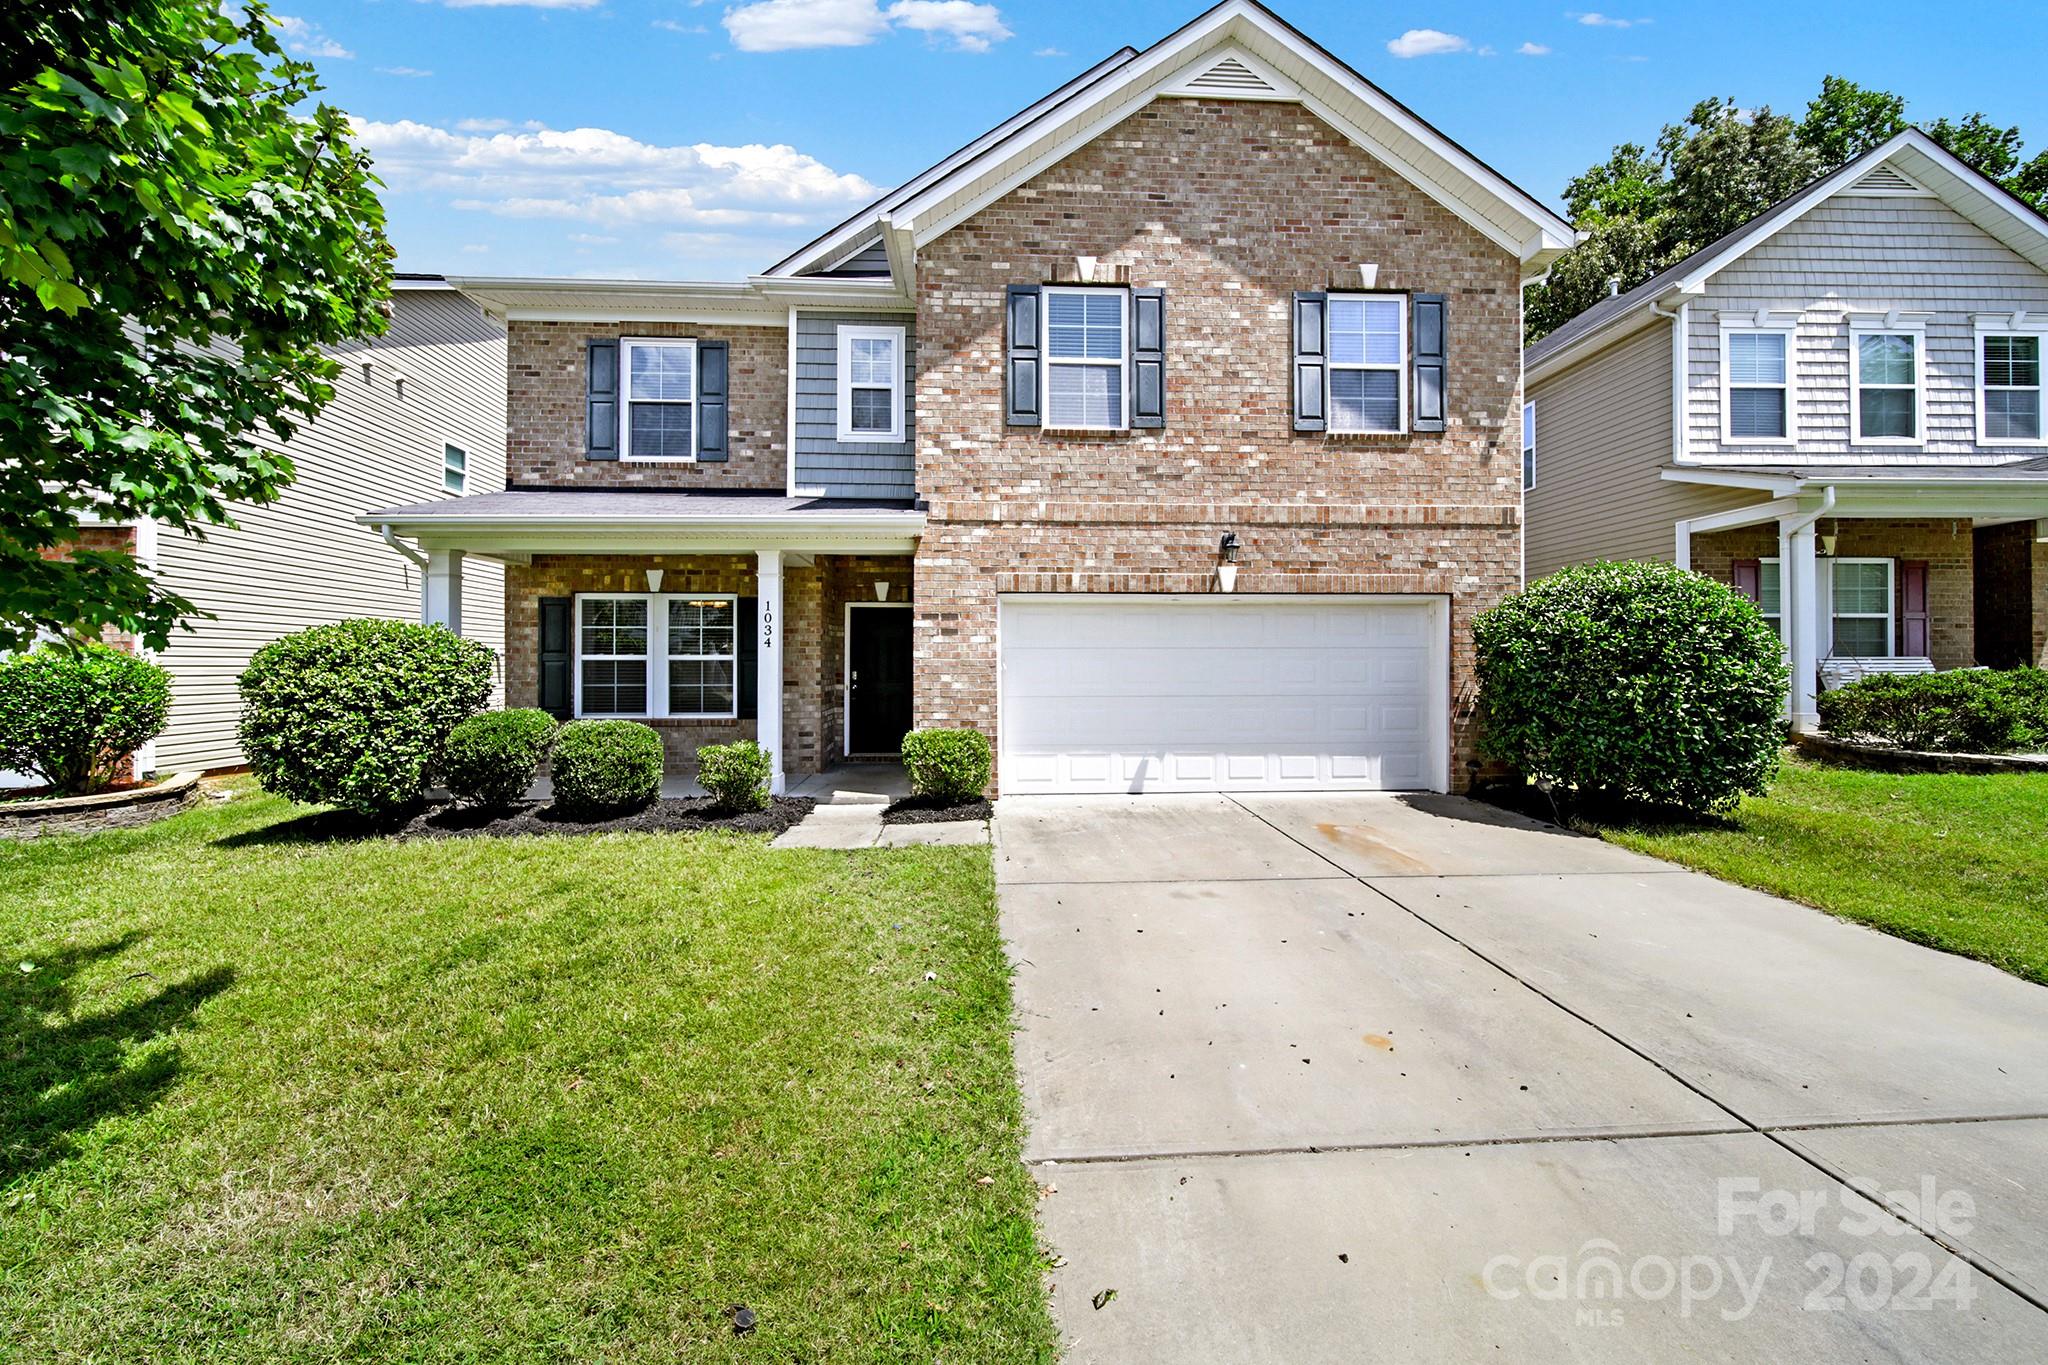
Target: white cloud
[[1050, 52], [674, 27], [412, 72], [476, 248], [1533, 50], [303, 38], [1599, 20], [1427, 42], [598, 176], [784, 25]]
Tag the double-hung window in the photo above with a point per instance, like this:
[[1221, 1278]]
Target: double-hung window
[[661, 399], [1368, 363], [1858, 601], [2009, 387], [870, 369], [454, 467], [655, 655], [1887, 377], [1756, 388], [1528, 446], [1085, 380]]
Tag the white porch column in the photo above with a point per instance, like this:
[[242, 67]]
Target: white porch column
[[441, 590], [768, 664], [1799, 592]]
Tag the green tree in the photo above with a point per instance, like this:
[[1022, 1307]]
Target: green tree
[[1727, 165], [181, 236], [1845, 120]]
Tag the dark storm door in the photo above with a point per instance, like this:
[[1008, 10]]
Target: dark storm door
[[877, 679]]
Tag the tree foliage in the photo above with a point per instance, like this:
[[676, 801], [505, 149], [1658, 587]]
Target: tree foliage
[[1721, 166], [180, 239]]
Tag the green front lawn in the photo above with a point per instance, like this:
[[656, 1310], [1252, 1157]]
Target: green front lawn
[[1957, 862], [500, 1100]]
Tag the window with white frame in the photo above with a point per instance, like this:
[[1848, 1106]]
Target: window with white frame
[[1756, 387], [661, 399], [1770, 595], [1368, 363], [656, 655], [1085, 385], [1528, 446], [1887, 366], [1859, 605], [870, 373], [454, 467], [2009, 387]]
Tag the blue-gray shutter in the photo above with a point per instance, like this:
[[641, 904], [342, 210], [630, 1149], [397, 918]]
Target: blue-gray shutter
[[1148, 357], [1021, 371], [1431, 369], [749, 671], [601, 400], [556, 693], [1311, 361], [711, 391]]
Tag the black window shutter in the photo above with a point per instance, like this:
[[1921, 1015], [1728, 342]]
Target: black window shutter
[[711, 391], [556, 694], [1148, 357], [1431, 370], [750, 658], [1311, 361], [601, 400], [1021, 371]]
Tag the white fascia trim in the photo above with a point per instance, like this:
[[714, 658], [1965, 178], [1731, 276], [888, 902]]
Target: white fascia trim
[[882, 523], [1616, 330], [1778, 485]]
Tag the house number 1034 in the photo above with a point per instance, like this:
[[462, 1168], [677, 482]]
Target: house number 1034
[[767, 627]]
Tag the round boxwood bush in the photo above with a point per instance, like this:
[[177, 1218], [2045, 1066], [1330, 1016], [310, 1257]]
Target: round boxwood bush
[[605, 767], [1634, 681], [71, 714], [490, 760], [736, 774], [354, 714], [1974, 710], [947, 765]]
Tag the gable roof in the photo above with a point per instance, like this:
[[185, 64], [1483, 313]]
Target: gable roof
[[1911, 163], [1238, 50]]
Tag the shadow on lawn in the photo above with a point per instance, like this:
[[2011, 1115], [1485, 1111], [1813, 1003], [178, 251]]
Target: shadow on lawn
[[59, 1080], [314, 827]]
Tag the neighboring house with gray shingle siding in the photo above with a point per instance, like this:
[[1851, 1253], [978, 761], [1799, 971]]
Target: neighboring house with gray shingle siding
[[1857, 438]]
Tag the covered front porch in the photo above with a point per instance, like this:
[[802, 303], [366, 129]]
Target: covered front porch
[[710, 618], [1879, 570]]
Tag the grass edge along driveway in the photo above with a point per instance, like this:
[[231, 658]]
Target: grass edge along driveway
[[520, 1099]]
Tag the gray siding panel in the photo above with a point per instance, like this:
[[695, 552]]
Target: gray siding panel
[[849, 469], [1603, 431]]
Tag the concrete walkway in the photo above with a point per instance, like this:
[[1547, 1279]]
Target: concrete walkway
[[1318, 1078]]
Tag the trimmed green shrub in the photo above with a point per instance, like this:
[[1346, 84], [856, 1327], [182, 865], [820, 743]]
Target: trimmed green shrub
[[1977, 710], [947, 765], [605, 767], [71, 714], [1636, 681], [735, 774], [354, 714], [490, 760]]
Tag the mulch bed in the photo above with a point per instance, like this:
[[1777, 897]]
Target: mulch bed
[[450, 821], [925, 810]]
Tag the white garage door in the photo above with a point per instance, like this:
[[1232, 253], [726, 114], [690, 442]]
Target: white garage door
[[1148, 694]]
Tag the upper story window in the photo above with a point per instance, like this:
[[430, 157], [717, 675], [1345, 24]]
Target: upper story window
[[1084, 359], [870, 371], [454, 467], [1528, 445], [1887, 367], [1368, 363], [2009, 387], [1756, 385], [661, 393], [653, 655]]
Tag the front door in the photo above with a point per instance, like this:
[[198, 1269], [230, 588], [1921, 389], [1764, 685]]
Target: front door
[[877, 679]]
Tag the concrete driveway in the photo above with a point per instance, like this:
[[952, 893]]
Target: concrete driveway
[[1340, 1078]]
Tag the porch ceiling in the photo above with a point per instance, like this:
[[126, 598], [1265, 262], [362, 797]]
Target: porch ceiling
[[2008, 492]]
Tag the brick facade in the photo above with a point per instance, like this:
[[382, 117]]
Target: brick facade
[[1231, 207], [545, 395], [1946, 545]]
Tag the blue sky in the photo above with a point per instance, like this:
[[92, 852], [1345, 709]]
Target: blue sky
[[668, 139]]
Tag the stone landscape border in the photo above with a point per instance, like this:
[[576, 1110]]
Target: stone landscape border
[[1887, 758]]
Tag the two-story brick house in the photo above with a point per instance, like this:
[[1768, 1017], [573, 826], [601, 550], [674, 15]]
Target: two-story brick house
[[1167, 433], [1837, 408]]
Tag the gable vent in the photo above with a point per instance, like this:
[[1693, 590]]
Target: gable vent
[[1885, 179], [1230, 77]]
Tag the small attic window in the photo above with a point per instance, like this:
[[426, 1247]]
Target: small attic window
[[1230, 77], [1885, 179]]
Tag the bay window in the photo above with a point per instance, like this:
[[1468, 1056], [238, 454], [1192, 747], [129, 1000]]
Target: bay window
[[656, 655]]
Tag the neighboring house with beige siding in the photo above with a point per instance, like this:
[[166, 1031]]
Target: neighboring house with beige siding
[[1854, 437], [418, 412]]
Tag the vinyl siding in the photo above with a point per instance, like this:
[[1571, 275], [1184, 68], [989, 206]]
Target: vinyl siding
[[303, 561], [1872, 254], [1603, 431], [849, 469], [872, 259]]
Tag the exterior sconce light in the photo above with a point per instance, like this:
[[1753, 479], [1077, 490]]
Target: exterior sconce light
[[654, 580], [1226, 569], [1827, 546], [881, 589]]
